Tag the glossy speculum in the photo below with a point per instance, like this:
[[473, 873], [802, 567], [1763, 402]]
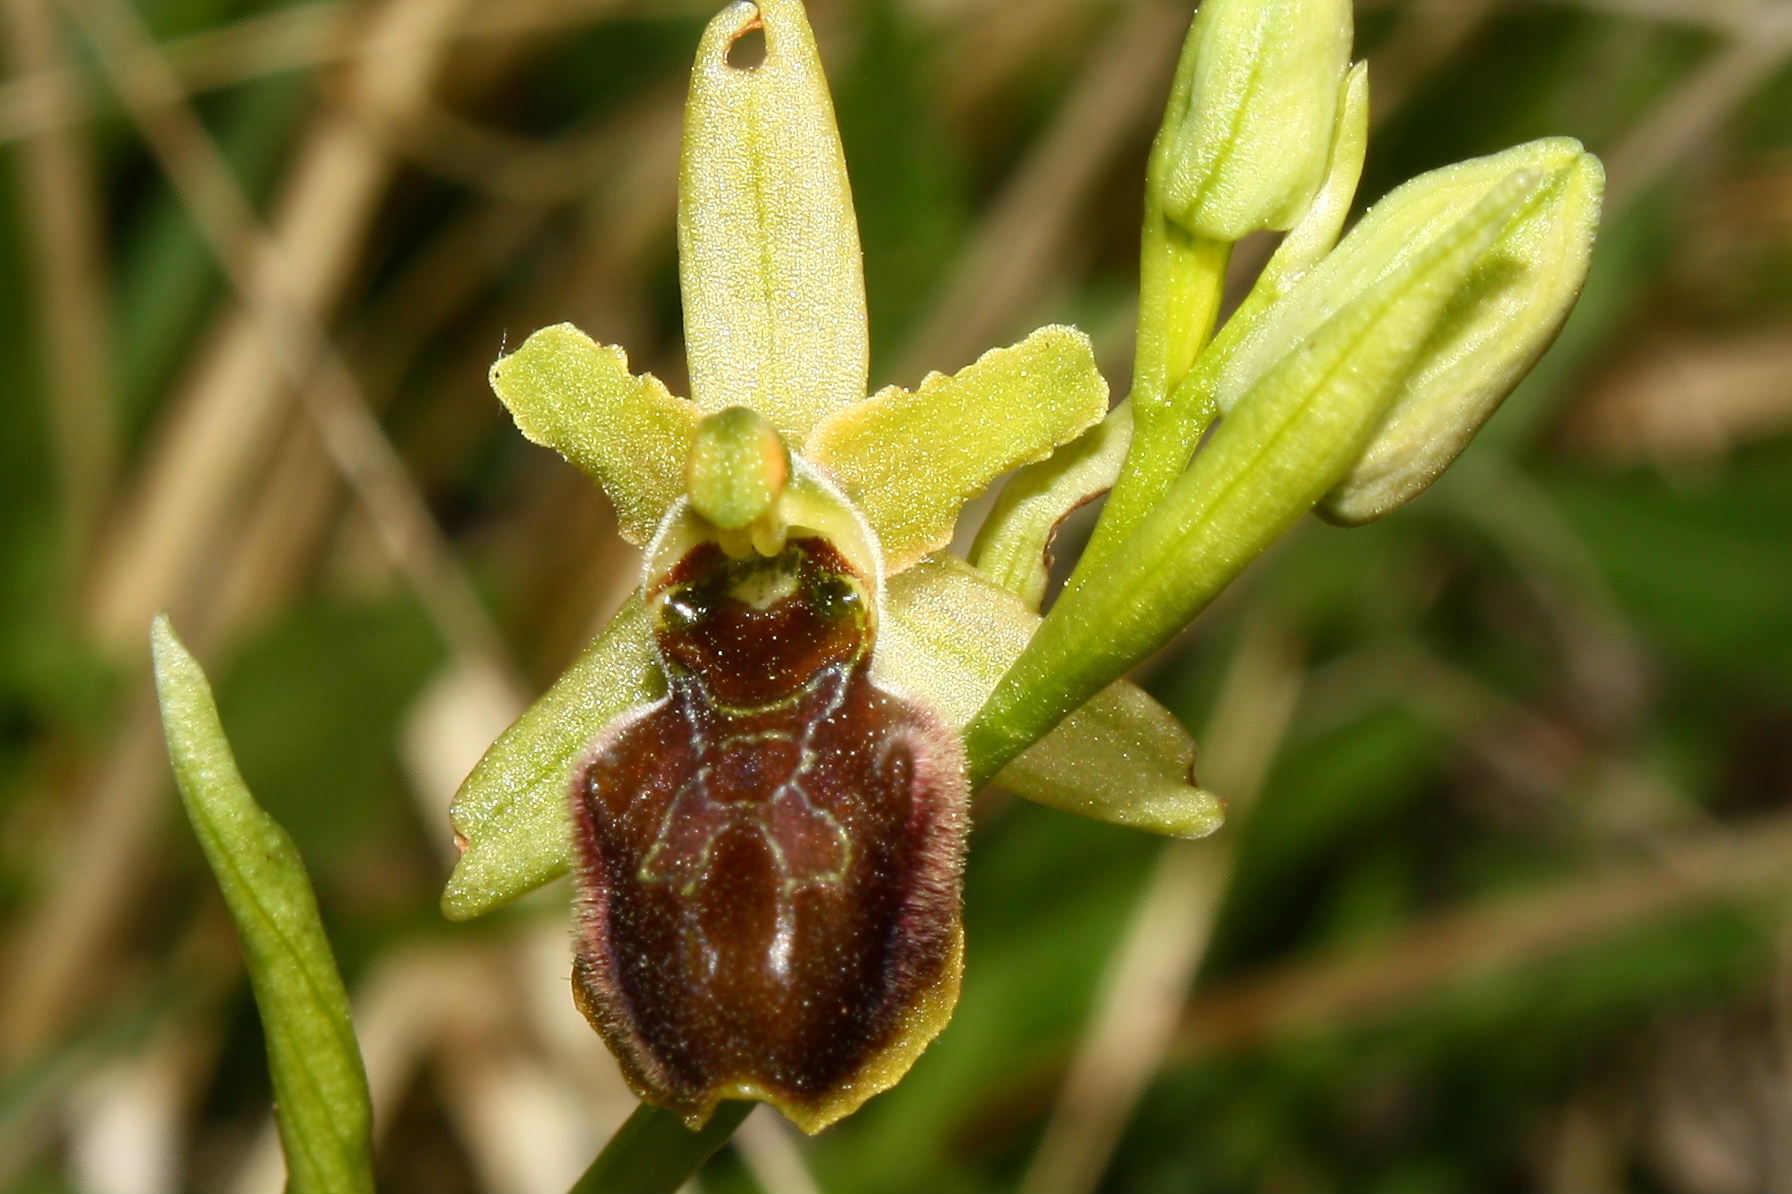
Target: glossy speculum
[[769, 857]]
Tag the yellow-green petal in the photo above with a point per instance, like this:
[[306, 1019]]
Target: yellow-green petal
[[1013, 546], [950, 633], [910, 459], [511, 816], [576, 396], [768, 247]]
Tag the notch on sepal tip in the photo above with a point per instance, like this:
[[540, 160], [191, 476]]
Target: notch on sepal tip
[[768, 246]]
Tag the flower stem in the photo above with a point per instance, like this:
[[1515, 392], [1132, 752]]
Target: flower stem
[[654, 1153], [1182, 281]]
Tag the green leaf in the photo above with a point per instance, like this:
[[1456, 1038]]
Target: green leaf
[[1013, 546], [1285, 444], [768, 249], [511, 815], [569, 393], [320, 1088], [949, 635], [910, 460]]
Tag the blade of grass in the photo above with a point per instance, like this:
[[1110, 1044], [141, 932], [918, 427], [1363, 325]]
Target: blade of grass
[[1140, 1003], [159, 537], [59, 193], [281, 318], [1026, 238], [320, 1088], [303, 36], [1689, 114]]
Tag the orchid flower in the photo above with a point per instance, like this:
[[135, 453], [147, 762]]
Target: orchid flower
[[760, 771], [768, 796]]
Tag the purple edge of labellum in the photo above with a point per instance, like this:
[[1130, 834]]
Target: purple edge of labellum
[[793, 934]]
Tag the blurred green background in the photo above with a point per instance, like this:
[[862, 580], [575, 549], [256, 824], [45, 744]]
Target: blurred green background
[[1506, 898]]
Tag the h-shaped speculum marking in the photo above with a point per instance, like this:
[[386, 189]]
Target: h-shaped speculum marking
[[808, 844]]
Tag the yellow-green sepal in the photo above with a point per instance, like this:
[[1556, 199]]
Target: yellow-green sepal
[[511, 817], [768, 246], [948, 636], [910, 459], [576, 396]]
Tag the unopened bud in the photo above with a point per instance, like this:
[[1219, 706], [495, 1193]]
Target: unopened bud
[[1501, 317], [1249, 127], [1507, 314]]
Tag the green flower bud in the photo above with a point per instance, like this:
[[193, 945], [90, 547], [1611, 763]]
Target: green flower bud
[[1507, 314], [1502, 316], [1249, 127]]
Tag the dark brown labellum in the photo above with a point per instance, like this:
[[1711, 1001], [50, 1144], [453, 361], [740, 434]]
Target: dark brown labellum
[[769, 858]]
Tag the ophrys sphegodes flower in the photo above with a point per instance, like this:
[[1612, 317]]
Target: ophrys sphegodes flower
[[759, 758], [1353, 373]]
